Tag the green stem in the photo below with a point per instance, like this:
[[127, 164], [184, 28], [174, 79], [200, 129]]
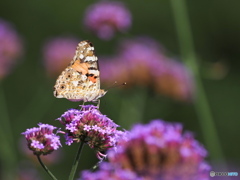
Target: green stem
[[75, 163], [45, 168], [189, 56], [7, 155]]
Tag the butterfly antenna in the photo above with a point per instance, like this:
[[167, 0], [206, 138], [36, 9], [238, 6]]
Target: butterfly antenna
[[114, 85]]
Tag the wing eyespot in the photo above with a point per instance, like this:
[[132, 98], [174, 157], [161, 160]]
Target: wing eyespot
[[62, 86], [68, 75]]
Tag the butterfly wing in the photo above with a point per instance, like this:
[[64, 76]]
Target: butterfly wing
[[80, 80]]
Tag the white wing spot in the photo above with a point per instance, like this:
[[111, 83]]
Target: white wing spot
[[75, 83], [90, 48], [81, 56], [90, 58]]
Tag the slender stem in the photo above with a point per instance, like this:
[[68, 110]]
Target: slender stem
[[75, 163], [45, 168], [189, 56], [7, 153]]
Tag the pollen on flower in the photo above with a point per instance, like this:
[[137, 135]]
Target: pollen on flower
[[90, 126], [42, 140]]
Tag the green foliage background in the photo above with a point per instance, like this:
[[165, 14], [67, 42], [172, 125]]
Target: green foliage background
[[28, 91]]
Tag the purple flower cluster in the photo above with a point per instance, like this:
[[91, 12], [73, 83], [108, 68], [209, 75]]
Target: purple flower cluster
[[142, 61], [10, 47], [57, 54], [88, 125], [157, 151], [106, 17], [41, 140], [50, 159]]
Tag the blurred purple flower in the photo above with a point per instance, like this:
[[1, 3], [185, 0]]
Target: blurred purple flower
[[26, 171], [142, 61], [110, 74], [134, 61], [89, 125], [41, 140], [57, 54], [160, 150], [176, 81], [106, 17], [10, 47]]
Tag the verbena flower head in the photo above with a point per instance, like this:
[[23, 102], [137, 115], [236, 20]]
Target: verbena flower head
[[135, 60], [106, 17], [109, 74], [53, 158], [142, 56], [90, 126], [176, 81], [10, 47], [142, 61], [57, 54], [160, 150], [41, 140]]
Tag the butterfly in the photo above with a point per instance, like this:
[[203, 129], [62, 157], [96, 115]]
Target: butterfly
[[80, 80]]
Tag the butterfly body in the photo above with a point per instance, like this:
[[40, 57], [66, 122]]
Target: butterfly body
[[80, 80]]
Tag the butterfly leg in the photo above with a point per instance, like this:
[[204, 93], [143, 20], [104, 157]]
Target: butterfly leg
[[98, 103], [81, 105]]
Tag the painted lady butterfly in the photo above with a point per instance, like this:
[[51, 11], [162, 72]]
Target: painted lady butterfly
[[80, 80]]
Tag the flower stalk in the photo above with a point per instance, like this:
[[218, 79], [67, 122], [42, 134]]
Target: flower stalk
[[76, 161], [190, 59], [45, 168], [7, 155]]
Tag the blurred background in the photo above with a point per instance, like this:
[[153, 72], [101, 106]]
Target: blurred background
[[143, 48]]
